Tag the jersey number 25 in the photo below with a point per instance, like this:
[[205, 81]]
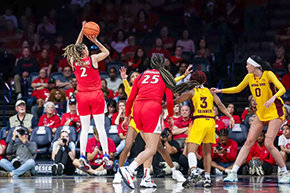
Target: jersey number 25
[[153, 80]]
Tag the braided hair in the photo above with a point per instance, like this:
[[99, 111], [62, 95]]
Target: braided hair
[[157, 62], [74, 51]]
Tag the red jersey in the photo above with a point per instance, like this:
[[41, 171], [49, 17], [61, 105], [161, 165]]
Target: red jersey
[[2, 142], [52, 122], [69, 93], [121, 130], [87, 76], [219, 125], [149, 86], [175, 60], [286, 81], [63, 63], [261, 152], [75, 118], [41, 94], [231, 152], [180, 123], [226, 120]]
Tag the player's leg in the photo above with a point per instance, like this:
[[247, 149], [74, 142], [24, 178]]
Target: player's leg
[[284, 156], [206, 151], [256, 127], [85, 121], [272, 131]]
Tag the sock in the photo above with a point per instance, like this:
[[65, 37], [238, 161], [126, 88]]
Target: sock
[[284, 169], [207, 175], [227, 170], [85, 121], [192, 162], [133, 166], [235, 168], [172, 169], [147, 173], [100, 125]]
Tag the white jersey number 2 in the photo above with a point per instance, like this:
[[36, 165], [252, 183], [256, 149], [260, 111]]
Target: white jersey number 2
[[84, 70], [154, 80]]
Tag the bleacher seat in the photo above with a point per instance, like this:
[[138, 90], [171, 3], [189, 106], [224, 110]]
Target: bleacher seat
[[72, 133], [56, 75], [117, 65], [104, 75], [42, 136], [200, 64], [10, 135], [112, 131], [280, 72], [239, 134], [32, 77]]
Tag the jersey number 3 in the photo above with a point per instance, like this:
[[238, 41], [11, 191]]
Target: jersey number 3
[[154, 80], [203, 102], [84, 70]]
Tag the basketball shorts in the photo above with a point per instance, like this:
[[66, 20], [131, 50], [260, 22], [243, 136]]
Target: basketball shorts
[[90, 103], [133, 125], [147, 116], [202, 130]]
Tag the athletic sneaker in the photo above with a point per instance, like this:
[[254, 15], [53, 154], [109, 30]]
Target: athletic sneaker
[[127, 176], [218, 172], [101, 173], [117, 178], [178, 176], [54, 169], [284, 177], [232, 177], [252, 168], [106, 161], [147, 183], [207, 182], [83, 162], [60, 169], [258, 166], [192, 178]]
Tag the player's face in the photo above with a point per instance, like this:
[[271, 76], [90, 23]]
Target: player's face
[[224, 139], [286, 131], [261, 137], [177, 109], [250, 68], [133, 77], [185, 111], [231, 108]]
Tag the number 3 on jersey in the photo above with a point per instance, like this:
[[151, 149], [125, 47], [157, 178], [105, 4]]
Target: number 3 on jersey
[[84, 70], [154, 80]]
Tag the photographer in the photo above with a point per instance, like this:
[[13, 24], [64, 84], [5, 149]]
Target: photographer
[[224, 152], [25, 152], [71, 118], [63, 154]]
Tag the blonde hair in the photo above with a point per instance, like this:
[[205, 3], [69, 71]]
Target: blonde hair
[[74, 51]]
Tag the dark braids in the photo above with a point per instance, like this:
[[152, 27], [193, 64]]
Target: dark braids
[[74, 51], [157, 62]]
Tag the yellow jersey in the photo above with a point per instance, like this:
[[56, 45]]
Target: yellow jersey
[[203, 103], [262, 89]]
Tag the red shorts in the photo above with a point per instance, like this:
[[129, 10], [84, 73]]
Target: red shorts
[[147, 116], [90, 103]]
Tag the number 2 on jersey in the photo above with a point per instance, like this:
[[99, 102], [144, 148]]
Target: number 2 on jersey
[[84, 70], [154, 80]]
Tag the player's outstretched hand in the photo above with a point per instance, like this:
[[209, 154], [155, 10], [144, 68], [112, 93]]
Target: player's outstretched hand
[[270, 102], [216, 90], [188, 71], [123, 72], [83, 24], [232, 123], [125, 123], [170, 121], [92, 38]]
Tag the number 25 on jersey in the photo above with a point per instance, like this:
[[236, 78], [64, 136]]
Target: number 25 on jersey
[[153, 80]]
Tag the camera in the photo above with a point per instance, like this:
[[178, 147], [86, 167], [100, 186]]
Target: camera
[[21, 131], [64, 140], [219, 147], [165, 133]]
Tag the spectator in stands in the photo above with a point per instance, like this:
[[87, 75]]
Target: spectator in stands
[[158, 49], [226, 120], [58, 47], [21, 118], [45, 62], [119, 42], [50, 119], [185, 43], [286, 78], [40, 83], [69, 92], [204, 52], [112, 106], [57, 96], [24, 67], [8, 34], [180, 127], [63, 154], [105, 88], [113, 82], [9, 16], [114, 55], [139, 62], [3, 146], [281, 60], [14, 46], [183, 65], [119, 116], [170, 66], [168, 42], [61, 64], [224, 152], [152, 17], [129, 51], [95, 155], [25, 151], [141, 26], [71, 118], [259, 160], [251, 109], [178, 56], [45, 27], [122, 135], [64, 81], [218, 123], [284, 143], [121, 94], [122, 24]]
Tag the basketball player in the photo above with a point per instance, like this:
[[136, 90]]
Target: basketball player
[[133, 131], [90, 97], [270, 111], [202, 129]]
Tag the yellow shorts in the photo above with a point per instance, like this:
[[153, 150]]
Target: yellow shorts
[[202, 130], [133, 124]]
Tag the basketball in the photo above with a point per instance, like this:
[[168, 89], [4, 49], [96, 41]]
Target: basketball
[[91, 29]]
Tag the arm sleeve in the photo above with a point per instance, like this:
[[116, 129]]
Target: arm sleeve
[[281, 141], [179, 78], [32, 147], [231, 157], [239, 88], [169, 100], [127, 88], [11, 148], [251, 154], [281, 89], [132, 97]]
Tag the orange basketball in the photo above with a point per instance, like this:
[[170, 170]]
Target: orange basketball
[[91, 29]]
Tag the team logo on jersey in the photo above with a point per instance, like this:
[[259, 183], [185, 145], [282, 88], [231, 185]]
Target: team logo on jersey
[[287, 145]]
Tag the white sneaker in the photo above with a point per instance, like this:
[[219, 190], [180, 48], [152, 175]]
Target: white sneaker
[[178, 176], [82, 173], [218, 172], [147, 183], [232, 177], [284, 177], [101, 173], [127, 176], [117, 178]]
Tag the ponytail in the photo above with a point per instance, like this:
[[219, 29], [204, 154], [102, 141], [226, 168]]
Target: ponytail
[[264, 65]]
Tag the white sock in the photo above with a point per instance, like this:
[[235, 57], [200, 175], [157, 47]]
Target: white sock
[[207, 175], [284, 169], [147, 173], [85, 121], [100, 125], [235, 168], [192, 162], [227, 170], [172, 169], [133, 166]]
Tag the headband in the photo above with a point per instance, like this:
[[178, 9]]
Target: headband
[[253, 62]]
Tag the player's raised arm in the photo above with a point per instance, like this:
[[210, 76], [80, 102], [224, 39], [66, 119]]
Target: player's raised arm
[[81, 34], [100, 56], [184, 97]]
